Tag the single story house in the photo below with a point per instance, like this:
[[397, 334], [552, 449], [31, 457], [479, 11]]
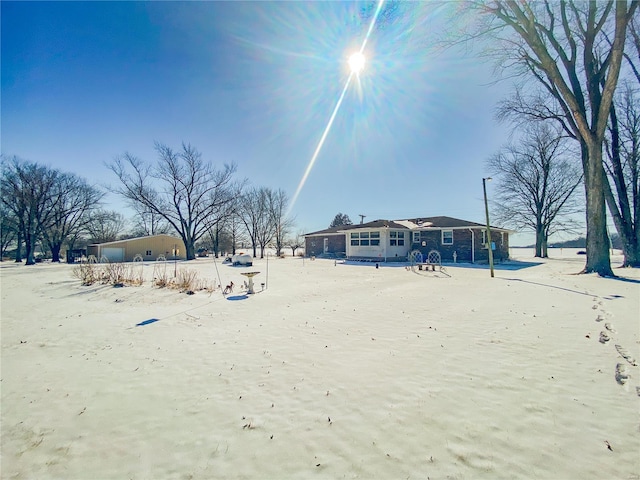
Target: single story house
[[394, 240], [149, 248]]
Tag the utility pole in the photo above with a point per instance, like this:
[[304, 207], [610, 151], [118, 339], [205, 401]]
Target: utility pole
[[362, 217], [486, 211]]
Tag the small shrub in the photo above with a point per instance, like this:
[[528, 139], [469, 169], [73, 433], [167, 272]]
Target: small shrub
[[160, 277], [135, 275], [114, 273], [187, 280], [87, 273]]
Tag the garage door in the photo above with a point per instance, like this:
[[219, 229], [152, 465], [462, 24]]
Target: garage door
[[113, 254]]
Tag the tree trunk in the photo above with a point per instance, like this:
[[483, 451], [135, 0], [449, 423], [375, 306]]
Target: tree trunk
[[631, 252], [598, 257], [621, 210], [29, 246], [191, 250], [539, 241], [19, 247], [55, 252], [628, 234]]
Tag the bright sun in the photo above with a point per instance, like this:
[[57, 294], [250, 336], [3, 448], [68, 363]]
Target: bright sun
[[356, 62]]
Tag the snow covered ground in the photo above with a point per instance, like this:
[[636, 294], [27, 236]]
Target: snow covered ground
[[330, 371]]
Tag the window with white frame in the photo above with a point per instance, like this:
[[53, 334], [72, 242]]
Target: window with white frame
[[375, 239], [447, 237], [365, 239], [416, 237], [484, 238], [355, 239], [148, 253], [396, 239]]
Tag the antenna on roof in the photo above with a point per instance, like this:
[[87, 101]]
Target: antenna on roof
[[362, 217]]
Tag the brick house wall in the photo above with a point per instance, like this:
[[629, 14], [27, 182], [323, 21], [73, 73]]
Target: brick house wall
[[462, 245], [314, 246]]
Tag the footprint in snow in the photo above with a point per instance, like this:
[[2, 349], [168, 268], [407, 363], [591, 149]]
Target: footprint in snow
[[626, 355]]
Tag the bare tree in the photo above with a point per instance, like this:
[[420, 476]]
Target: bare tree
[[633, 42], [623, 172], [104, 226], [563, 46], [235, 228], [537, 181], [295, 242], [219, 240], [146, 222], [25, 191], [8, 229], [70, 201], [277, 202], [254, 213], [182, 188]]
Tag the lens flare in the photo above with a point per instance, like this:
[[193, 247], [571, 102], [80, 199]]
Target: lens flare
[[356, 63]]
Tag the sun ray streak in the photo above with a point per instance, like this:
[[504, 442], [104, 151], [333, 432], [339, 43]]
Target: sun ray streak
[[333, 115], [371, 25], [320, 143]]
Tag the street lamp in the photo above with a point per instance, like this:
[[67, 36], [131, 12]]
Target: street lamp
[[486, 211]]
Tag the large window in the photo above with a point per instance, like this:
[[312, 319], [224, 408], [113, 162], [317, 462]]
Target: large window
[[365, 239], [375, 239], [396, 239], [355, 239], [447, 237]]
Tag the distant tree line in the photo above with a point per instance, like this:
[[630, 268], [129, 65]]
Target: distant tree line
[[180, 194], [581, 242], [43, 205]]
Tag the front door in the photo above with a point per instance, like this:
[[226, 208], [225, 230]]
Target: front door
[[326, 245]]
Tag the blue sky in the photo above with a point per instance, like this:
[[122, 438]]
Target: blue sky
[[255, 83]]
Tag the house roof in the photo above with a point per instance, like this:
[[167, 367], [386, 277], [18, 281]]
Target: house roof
[[422, 223], [443, 222], [137, 238], [379, 224], [330, 231], [437, 223], [369, 225]]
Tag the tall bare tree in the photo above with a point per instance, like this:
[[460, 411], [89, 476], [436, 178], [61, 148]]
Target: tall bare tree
[[146, 222], [623, 171], [632, 55], [188, 192], [254, 213], [26, 190], [69, 203], [564, 47], [104, 226], [8, 229], [537, 182], [277, 202], [235, 228]]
